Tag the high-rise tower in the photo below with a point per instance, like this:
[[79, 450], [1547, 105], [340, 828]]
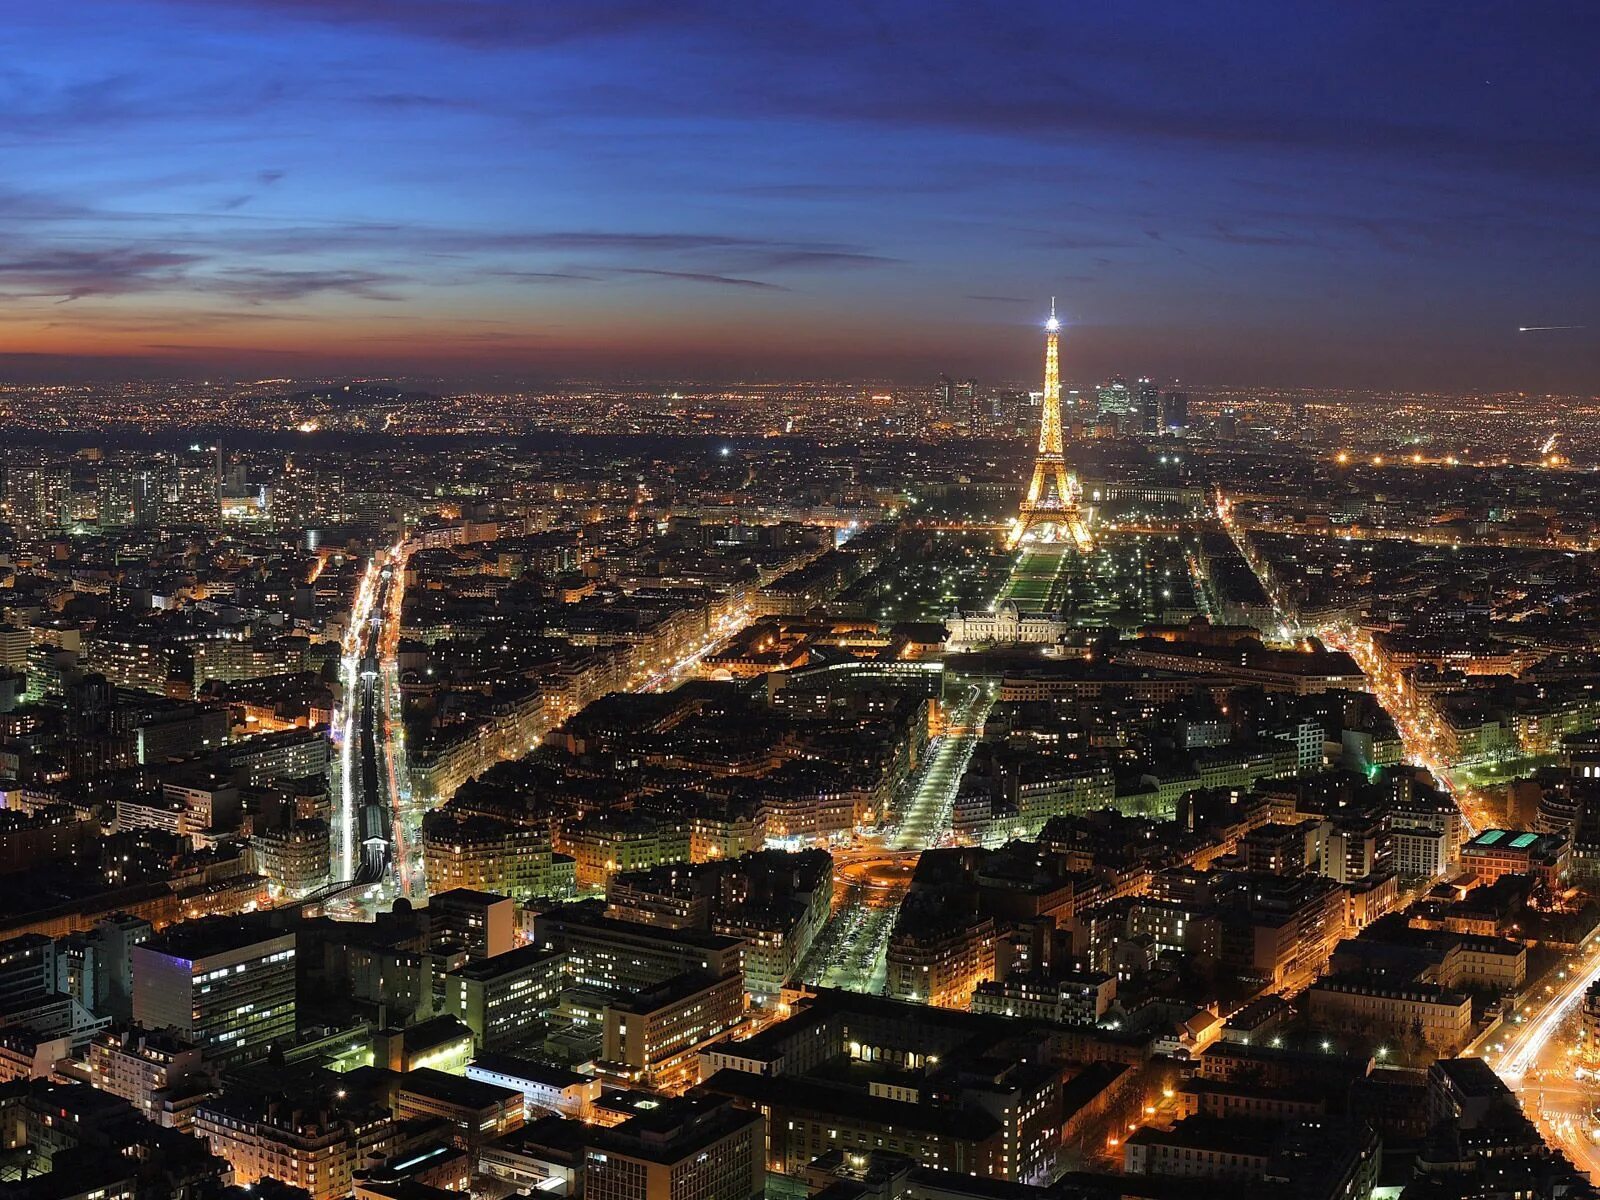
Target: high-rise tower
[[1050, 511]]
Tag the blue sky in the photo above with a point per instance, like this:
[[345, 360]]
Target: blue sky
[[1365, 194]]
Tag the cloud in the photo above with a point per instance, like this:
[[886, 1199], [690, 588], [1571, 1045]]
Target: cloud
[[260, 285], [20, 205], [418, 101], [489, 24], [74, 274], [1234, 236], [545, 276], [214, 351], [1087, 241], [777, 260], [703, 277]]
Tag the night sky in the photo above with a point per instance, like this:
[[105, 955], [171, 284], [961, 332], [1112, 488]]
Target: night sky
[[1364, 193]]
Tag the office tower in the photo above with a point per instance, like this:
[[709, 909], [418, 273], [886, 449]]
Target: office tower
[[966, 403], [1299, 421], [1149, 407], [654, 1037], [504, 999], [225, 983], [1115, 397], [704, 1149], [947, 398], [148, 491], [1175, 411]]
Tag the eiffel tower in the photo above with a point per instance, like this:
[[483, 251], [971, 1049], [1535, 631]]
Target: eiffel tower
[[1051, 512]]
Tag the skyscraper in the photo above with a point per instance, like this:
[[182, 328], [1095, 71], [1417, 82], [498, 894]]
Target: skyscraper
[[958, 401], [1149, 407], [1115, 398], [967, 403], [38, 497], [1175, 411], [197, 484]]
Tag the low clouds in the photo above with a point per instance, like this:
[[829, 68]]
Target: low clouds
[[58, 250], [65, 274], [256, 285], [702, 277]]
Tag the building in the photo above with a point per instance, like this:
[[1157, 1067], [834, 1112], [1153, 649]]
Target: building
[[1497, 852], [1175, 411], [196, 493], [545, 1088], [604, 843], [624, 956], [955, 1091], [1439, 1020], [225, 983], [482, 923], [1589, 1024], [1303, 673], [1202, 1147], [295, 858], [1077, 998], [1006, 624], [26, 1055], [545, 1157], [159, 1074], [281, 754], [482, 854], [426, 1172], [478, 1112], [940, 958], [440, 1042], [702, 1149], [655, 1037], [776, 901], [504, 999], [1417, 853], [44, 986], [311, 1144]]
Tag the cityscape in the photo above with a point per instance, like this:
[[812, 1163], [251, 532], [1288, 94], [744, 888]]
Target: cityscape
[[483, 756]]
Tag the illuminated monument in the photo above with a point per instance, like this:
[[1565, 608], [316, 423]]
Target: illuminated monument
[[1050, 512]]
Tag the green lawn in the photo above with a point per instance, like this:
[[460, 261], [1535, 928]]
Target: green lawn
[[1036, 579]]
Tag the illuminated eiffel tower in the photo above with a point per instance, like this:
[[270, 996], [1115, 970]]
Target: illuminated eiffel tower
[[1050, 512]]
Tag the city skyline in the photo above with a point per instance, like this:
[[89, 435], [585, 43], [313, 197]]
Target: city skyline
[[873, 602], [1248, 196]]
